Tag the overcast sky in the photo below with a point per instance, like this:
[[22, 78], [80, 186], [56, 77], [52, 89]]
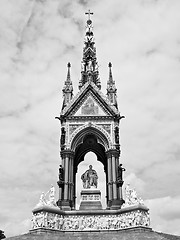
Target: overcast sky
[[142, 40]]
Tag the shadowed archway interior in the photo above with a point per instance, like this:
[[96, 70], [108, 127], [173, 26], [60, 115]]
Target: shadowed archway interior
[[89, 144]]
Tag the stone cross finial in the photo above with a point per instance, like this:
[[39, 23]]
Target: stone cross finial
[[89, 14]]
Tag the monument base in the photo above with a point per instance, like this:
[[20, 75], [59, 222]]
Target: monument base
[[115, 204], [47, 218], [90, 199]]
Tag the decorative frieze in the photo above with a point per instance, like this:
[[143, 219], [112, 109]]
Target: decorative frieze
[[91, 197], [47, 220], [106, 127], [94, 126], [73, 127]]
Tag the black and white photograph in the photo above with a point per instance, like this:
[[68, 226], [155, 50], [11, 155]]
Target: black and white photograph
[[90, 119]]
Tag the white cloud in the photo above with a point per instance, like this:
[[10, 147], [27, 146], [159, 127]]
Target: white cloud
[[165, 214], [136, 183]]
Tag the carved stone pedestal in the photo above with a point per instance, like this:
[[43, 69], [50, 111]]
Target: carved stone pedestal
[[115, 204], [47, 218], [65, 205], [90, 199]]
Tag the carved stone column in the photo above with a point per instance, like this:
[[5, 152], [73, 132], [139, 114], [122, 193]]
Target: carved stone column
[[67, 157], [115, 197], [66, 178], [71, 183], [109, 179], [114, 176], [117, 164]]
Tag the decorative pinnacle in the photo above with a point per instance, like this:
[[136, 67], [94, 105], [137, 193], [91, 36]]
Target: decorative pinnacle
[[68, 73], [110, 72]]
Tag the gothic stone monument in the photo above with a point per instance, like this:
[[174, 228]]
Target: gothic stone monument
[[90, 122]]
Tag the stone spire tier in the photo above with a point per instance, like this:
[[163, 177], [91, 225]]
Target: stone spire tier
[[89, 65], [111, 88], [68, 88]]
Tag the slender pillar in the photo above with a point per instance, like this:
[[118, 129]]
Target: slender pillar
[[109, 179], [71, 179], [60, 193], [66, 179], [117, 164], [67, 166], [114, 177], [74, 189], [115, 196]]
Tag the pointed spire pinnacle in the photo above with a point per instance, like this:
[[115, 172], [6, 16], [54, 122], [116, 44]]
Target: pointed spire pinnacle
[[68, 80], [110, 73], [111, 88], [89, 65], [68, 88]]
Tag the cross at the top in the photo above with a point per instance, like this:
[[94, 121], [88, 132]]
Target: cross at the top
[[89, 13]]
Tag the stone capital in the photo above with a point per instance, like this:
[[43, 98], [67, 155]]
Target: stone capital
[[67, 153], [112, 152]]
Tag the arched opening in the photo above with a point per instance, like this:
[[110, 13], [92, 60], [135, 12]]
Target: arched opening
[[90, 158], [90, 139], [89, 143]]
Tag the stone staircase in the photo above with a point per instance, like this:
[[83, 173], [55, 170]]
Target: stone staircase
[[131, 234]]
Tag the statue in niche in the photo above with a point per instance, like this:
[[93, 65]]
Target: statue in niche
[[116, 131], [89, 66], [89, 178], [120, 172], [61, 173], [82, 66], [63, 133]]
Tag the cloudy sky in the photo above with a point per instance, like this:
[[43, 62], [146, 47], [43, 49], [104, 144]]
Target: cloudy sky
[[142, 40]]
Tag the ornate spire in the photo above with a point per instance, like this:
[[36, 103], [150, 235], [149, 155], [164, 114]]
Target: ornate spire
[[68, 88], [89, 65], [111, 88]]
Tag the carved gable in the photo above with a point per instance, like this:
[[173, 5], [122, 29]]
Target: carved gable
[[90, 107], [90, 102]]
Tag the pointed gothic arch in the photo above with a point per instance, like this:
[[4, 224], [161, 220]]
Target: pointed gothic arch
[[89, 138], [102, 136]]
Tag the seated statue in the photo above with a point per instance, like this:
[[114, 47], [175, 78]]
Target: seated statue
[[89, 178]]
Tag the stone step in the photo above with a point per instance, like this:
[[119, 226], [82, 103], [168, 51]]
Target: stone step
[[121, 235]]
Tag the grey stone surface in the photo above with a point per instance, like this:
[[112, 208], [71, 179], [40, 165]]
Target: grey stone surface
[[133, 234]]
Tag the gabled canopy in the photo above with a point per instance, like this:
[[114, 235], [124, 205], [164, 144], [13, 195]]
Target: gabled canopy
[[90, 97]]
